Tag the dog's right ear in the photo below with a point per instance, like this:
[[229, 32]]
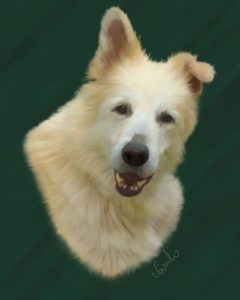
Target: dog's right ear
[[196, 72], [117, 41]]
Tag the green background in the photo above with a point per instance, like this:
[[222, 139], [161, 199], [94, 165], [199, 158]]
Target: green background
[[45, 47]]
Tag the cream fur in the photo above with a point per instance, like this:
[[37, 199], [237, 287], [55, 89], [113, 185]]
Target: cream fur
[[70, 152]]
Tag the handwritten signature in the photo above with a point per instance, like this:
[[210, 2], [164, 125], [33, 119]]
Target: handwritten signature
[[159, 270]]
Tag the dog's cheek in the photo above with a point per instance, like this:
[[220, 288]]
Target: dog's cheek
[[163, 148], [108, 138]]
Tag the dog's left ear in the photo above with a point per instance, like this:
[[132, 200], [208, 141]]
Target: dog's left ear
[[195, 72], [117, 41]]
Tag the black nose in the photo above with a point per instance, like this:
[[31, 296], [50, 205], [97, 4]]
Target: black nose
[[135, 154]]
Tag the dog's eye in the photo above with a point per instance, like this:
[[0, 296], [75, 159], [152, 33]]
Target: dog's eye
[[122, 109], [165, 117]]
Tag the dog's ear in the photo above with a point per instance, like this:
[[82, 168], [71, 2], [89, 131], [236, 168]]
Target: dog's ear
[[117, 40], [195, 72]]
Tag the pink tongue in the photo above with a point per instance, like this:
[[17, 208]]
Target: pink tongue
[[130, 178]]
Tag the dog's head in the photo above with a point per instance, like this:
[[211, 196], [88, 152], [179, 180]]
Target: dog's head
[[142, 112]]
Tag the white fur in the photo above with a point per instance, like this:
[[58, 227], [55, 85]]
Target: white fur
[[74, 152]]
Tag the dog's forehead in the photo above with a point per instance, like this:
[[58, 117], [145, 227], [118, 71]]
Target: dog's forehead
[[150, 83]]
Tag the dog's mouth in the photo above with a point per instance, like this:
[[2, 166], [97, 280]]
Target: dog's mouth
[[130, 184]]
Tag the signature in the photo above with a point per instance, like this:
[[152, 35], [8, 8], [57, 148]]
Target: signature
[[159, 270]]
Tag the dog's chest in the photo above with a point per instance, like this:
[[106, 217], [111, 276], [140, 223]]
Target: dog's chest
[[107, 228], [104, 234]]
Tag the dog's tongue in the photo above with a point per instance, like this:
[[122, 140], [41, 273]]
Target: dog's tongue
[[130, 178]]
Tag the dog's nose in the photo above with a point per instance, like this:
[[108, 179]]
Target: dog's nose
[[135, 154]]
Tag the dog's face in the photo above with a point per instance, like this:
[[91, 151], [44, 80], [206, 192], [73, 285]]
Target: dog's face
[[141, 119], [145, 110]]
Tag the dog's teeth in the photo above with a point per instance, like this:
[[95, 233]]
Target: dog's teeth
[[118, 177], [141, 183], [120, 181]]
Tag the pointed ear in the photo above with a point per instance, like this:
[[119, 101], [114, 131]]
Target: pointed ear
[[117, 40], [195, 72]]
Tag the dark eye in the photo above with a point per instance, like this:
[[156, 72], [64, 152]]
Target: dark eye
[[122, 109], [165, 117]]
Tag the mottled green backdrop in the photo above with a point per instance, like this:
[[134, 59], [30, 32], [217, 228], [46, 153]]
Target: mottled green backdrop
[[45, 47]]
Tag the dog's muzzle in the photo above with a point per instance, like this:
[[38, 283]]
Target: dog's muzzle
[[129, 183]]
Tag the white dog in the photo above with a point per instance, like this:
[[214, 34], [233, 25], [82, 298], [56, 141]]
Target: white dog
[[104, 161]]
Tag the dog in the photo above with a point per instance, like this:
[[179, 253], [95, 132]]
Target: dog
[[105, 161]]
